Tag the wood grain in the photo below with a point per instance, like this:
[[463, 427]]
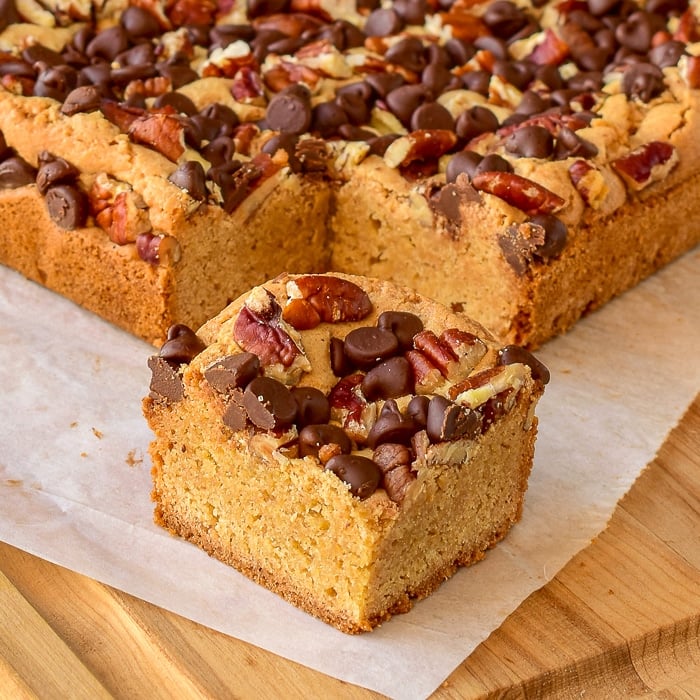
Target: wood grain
[[621, 620]]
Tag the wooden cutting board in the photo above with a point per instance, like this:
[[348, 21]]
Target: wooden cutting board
[[621, 620]]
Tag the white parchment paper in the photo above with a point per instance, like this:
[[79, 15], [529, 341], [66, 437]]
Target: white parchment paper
[[75, 484]]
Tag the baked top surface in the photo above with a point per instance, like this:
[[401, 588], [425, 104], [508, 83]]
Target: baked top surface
[[564, 109]]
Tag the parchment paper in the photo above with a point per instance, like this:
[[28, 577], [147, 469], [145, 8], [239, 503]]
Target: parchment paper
[[75, 484]]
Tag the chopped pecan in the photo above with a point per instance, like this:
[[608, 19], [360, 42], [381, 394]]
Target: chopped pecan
[[229, 61], [589, 182], [246, 85], [259, 329], [647, 164], [118, 210], [349, 407], [163, 132], [551, 50], [192, 12], [334, 299], [287, 73], [394, 461], [463, 23], [428, 377], [125, 218], [122, 116], [520, 192], [423, 144], [455, 352], [692, 71]]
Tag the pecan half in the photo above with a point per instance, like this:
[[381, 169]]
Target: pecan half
[[334, 299], [520, 192]]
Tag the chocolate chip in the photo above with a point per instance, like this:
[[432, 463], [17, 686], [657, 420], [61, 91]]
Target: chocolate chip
[[389, 379], [314, 436], [340, 366], [460, 51], [269, 403], [354, 100], [475, 121], [383, 22], [432, 115], [38, 53], [493, 408], [498, 47], [235, 416], [462, 162], [178, 74], [96, 74], [232, 372], [411, 11], [408, 53], [360, 473], [85, 98], [312, 405], [56, 82], [219, 151], [449, 421], [438, 78], [235, 188], [384, 83], [179, 102], [504, 18], [405, 100], [570, 144], [165, 379], [531, 141], [327, 118], [182, 345], [139, 23], [52, 171], [190, 177], [67, 206], [417, 410], [391, 426], [478, 81], [667, 54], [643, 80], [531, 103], [367, 345], [492, 162], [403, 324], [635, 32], [517, 73], [290, 111], [108, 43], [555, 235], [378, 145], [512, 354], [226, 117]]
